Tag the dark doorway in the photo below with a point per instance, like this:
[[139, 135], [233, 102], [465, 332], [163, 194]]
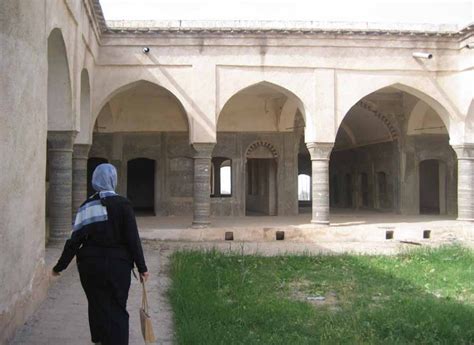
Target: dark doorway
[[92, 163], [334, 191], [429, 186], [261, 187], [364, 188], [348, 190], [141, 184]]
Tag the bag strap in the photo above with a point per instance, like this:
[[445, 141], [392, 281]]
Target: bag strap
[[144, 298]]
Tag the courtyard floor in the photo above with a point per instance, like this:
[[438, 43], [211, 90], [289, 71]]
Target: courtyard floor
[[346, 225], [62, 318]]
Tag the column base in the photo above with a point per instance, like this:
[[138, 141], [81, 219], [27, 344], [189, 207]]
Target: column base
[[465, 219], [200, 224], [320, 222]]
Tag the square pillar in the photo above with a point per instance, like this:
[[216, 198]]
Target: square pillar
[[60, 185], [320, 153], [202, 184], [465, 156], [80, 155]]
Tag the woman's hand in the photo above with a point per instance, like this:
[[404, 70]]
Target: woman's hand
[[55, 274], [144, 277]]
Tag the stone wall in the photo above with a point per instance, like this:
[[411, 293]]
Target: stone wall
[[369, 160], [174, 167], [400, 163]]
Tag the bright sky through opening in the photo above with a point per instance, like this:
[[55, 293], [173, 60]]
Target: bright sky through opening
[[403, 11]]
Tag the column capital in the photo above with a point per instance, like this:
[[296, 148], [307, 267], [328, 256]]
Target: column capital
[[61, 140], [319, 151], [203, 150], [464, 151], [81, 151]]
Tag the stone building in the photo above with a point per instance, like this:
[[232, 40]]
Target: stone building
[[373, 117]]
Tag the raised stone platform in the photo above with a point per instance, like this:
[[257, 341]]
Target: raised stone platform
[[356, 226]]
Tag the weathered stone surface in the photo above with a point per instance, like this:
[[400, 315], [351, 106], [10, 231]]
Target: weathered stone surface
[[79, 175], [320, 181], [202, 185], [60, 185], [465, 155]]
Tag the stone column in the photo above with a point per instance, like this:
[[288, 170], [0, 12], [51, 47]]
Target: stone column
[[60, 185], [465, 155], [202, 184], [320, 153], [80, 155]]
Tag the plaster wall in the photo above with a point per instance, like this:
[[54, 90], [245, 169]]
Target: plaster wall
[[326, 74], [81, 40], [23, 123], [24, 29]]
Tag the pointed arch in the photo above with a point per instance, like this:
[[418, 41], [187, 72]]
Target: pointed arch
[[262, 147], [469, 136], [349, 133], [365, 89], [295, 101], [416, 120], [84, 136], [59, 93], [131, 85]]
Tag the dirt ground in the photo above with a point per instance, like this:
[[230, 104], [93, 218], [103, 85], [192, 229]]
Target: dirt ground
[[62, 318]]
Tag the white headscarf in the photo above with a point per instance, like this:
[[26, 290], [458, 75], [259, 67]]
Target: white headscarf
[[104, 181], [104, 178]]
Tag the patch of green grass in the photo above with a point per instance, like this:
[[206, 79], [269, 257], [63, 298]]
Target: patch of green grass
[[420, 297]]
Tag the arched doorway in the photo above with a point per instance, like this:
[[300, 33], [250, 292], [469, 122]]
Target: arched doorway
[[261, 177], [60, 138], [432, 182], [260, 113], [143, 119], [141, 184], [379, 146]]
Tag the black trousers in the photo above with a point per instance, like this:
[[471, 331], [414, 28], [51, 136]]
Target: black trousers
[[106, 282]]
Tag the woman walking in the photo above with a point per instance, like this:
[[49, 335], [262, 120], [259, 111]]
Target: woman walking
[[106, 242]]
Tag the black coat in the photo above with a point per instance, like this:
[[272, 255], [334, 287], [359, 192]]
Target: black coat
[[117, 237]]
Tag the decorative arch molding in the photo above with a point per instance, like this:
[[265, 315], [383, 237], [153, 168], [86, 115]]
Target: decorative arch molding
[[420, 87], [273, 153], [394, 134]]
